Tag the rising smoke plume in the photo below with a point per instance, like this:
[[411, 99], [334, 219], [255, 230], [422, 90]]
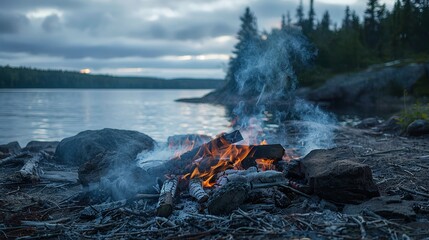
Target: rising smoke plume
[[267, 80]]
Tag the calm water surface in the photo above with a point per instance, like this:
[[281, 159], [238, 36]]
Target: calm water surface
[[45, 114]]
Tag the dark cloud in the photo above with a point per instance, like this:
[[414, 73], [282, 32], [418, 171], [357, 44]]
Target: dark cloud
[[133, 33], [12, 23], [51, 23], [201, 31]]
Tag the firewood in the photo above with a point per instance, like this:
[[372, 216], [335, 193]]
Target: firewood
[[271, 151], [31, 171], [196, 190], [166, 197], [252, 177], [184, 163], [228, 198]]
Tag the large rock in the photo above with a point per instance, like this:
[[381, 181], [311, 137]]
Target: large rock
[[370, 86], [107, 157], [86, 145], [418, 127], [333, 176]]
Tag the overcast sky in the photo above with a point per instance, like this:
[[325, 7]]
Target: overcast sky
[[163, 38]]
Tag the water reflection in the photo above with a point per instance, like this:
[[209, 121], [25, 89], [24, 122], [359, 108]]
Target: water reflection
[[55, 114]]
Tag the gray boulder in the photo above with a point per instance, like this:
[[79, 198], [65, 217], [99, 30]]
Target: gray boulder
[[86, 145], [368, 123], [334, 176], [418, 127], [369, 87]]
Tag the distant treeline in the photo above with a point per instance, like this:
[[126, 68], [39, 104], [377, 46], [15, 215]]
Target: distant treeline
[[23, 77]]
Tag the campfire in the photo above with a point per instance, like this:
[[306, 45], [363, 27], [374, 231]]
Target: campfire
[[220, 166]]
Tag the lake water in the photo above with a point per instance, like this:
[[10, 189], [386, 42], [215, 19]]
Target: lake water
[[53, 114]]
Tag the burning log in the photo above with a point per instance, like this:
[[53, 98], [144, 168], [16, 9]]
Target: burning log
[[184, 163], [166, 197], [196, 190], [273, 152], [30, 170]]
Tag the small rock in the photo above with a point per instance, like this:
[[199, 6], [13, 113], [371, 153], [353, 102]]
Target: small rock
[[391, 125], [418, 127], [368, 123], [10, 148], [37, 146], [390, 207]]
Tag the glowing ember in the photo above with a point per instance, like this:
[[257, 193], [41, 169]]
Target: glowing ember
[[265, 164]]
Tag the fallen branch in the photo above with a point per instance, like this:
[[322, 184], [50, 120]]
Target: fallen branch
[[383, 152], [31, 171], [166, 196], [414, 192], [14, 159]]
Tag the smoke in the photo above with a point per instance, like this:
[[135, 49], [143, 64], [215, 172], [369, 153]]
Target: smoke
[[267, 80]]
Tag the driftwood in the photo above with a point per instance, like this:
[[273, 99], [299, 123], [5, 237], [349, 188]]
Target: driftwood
[[15, 158], [184, 163], [31, 171], [196, 190], [166, 197]]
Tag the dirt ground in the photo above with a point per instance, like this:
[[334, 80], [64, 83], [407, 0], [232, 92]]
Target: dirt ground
[[53, 208]]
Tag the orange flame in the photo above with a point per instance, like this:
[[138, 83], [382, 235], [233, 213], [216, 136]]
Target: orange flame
[[265, 164], [219, 160]]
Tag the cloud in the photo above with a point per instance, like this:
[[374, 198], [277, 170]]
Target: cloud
[[51, 23], [12, 23], [139, 34]]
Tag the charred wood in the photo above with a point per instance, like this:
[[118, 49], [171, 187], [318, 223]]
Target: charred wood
[[228, 198], [166, 197], [196, 190], [272, 151], [182, 164]]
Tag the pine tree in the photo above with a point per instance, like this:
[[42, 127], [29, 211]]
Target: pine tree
[[325, 22], [283, 22], [288, 19], [311, 16], [247, 38], [300, 14], [347, 19], [371, 25]]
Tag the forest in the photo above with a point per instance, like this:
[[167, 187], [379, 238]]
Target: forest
[[23, 77], [381, 35]]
